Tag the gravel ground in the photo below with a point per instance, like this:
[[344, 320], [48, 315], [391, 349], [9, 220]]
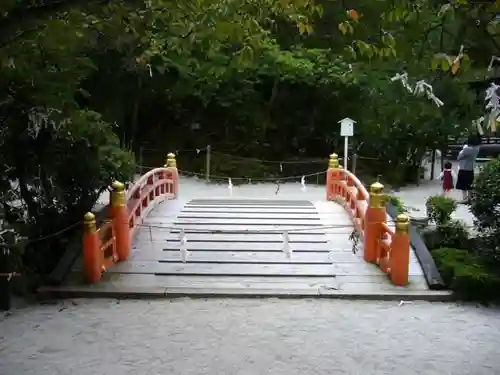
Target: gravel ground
[[216, 337]]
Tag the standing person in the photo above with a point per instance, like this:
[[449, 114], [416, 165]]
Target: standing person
[[467, 163], [447, 177]]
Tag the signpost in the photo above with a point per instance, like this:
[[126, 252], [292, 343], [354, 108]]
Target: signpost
[[346, 131]]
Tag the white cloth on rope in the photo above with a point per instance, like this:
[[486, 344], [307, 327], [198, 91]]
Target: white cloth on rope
[[303, 184], [183, 246], [421, 87], [492, 61], [286, 245], [493, 104], [230, 186]]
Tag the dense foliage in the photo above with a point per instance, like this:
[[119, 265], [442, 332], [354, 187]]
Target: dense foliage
[[485, 205], [469, 262], [83, 85]]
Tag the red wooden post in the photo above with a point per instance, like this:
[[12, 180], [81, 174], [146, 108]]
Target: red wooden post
[[400, 252], [92, 254], [120, 221], [173, 172], [332, 175], [375, 215]]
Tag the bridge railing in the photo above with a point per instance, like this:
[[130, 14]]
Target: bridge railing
[[111, 242], [389, 249]]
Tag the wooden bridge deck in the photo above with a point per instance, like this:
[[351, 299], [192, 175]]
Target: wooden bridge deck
[[236, 248]]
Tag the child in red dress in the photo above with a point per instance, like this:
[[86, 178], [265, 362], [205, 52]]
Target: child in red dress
[[447, 177]]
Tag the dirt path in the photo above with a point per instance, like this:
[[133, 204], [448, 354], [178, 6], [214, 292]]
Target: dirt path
[[94, 337]]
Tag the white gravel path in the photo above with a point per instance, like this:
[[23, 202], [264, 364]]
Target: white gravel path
[[216, 337]]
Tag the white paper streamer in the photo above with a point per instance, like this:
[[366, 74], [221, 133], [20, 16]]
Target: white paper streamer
[[183, 246], [493, 104], [404, 81], [197, 151], [286, 245], [303, 183], [492, 61], [281, 167], [230, 186], [421, 87]]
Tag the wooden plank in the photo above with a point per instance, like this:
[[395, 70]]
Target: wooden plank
[[337, 269], [173, 236], [247, 215], [244, 206], [249, 210], [248, 246], [245, 222], [222, 269], [255, 229], [246, 257]]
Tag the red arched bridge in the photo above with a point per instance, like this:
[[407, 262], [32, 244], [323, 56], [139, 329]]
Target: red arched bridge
[[157, 242]]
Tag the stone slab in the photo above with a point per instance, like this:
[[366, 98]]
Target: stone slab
[[149, 286], [246, 257]]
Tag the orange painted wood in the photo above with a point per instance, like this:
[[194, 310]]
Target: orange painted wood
[[400, 259], [92, 257]]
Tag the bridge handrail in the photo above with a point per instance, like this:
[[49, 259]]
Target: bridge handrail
[[352, 180], [111, 242], [389, 249]]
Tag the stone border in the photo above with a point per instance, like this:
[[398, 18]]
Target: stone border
[[110, 291], [431, 272]]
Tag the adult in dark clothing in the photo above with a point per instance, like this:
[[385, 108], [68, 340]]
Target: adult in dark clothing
[[467, 163]]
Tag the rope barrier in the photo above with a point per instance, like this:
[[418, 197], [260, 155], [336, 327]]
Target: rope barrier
[[244, 158], [265, 161], [269, 179], [268, 231], [55, 234], [51, 235]]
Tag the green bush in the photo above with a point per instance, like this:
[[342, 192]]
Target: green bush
[[466, 274], [484, 206], [439, 209], [453, 234], [397, 203], [486, 197]]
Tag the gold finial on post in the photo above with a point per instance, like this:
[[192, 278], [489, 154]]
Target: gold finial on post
[[402, 224], [376, 195], [118, 194], [171, 162], [89, 222], [334, 161]]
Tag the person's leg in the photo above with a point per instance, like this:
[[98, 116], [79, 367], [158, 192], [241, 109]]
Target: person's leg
[[469, 195], [464, 195]]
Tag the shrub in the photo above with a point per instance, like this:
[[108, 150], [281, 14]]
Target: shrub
[[453, 234], [485, 206], [467, 275], [485, 202], [397, 203], [439, 209]]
